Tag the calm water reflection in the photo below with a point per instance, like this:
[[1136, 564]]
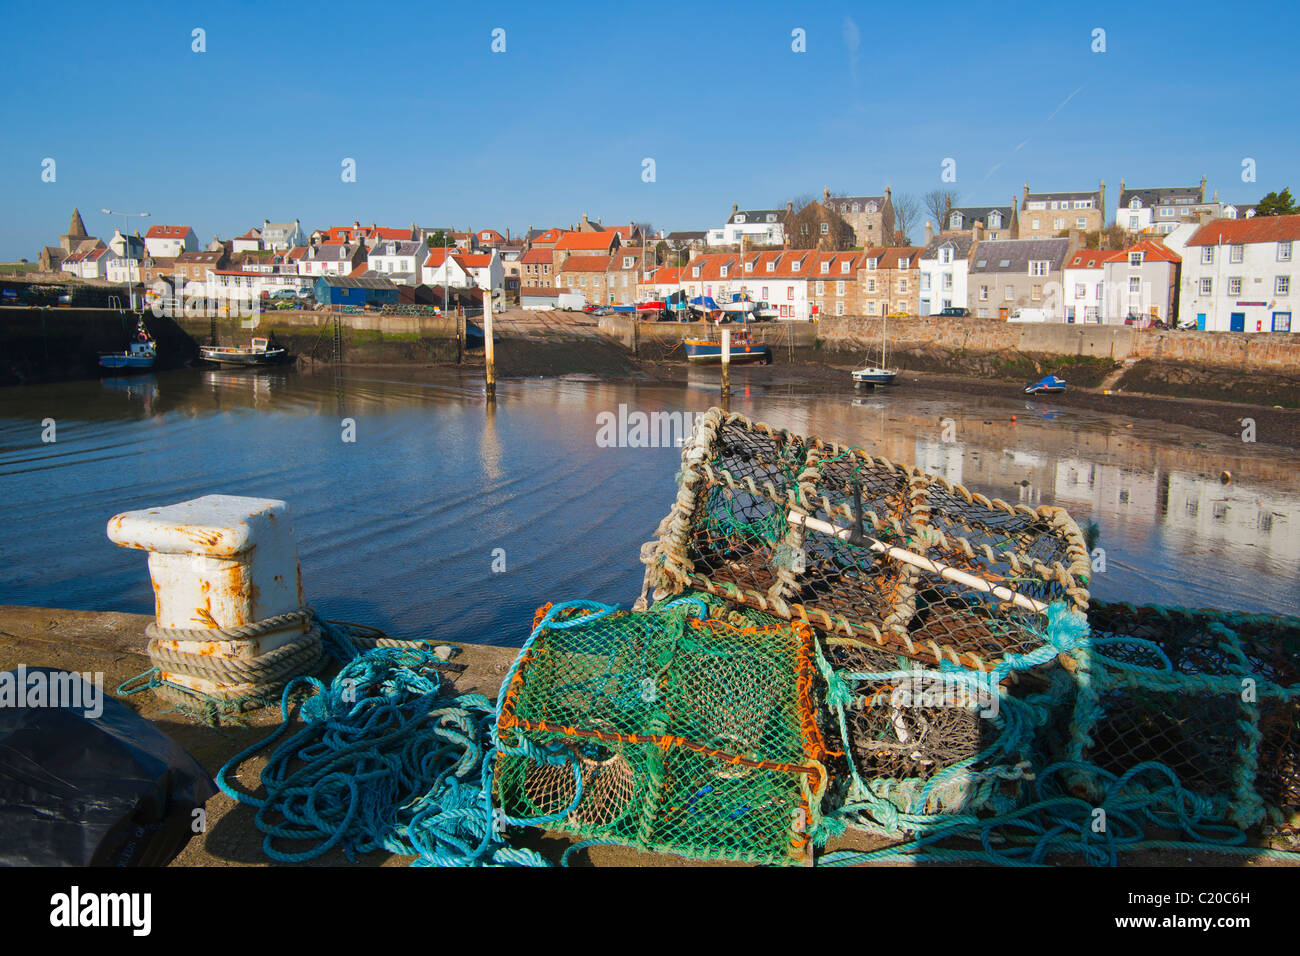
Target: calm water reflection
[[398, 529]]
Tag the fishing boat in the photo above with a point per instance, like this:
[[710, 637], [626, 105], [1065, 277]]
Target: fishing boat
[[880, 374], [739, 308], [260, 352], [1047, 385], [139, 354], [743, 349]]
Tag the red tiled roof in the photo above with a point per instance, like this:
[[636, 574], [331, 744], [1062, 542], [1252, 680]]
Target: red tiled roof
[[1087, 259], [1151, 250], [474, 261], [383, 232], [889, 257], [359, 270], [167, 232], [585, 264], [586, 240], [550, 235], [297, 252], [537, 255], [1233, 232]]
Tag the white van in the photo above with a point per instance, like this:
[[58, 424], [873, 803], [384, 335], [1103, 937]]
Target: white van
[[1028, 315], [571, 301]]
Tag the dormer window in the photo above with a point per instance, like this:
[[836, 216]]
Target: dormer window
[[695, 272], [1135, 203], [857, 207], [1135, 258], [723, 272], [740, 217], [771, 217], [955, 221], [871, 207], [844, 266], [629, 261], [771, 266], [995, 220], [795, 266], [826, 267], [749, 267], [871, 265]]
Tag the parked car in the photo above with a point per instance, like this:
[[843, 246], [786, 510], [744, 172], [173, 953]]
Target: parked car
[[284, 294], [955, 312], [1028, 315], [898, 315]]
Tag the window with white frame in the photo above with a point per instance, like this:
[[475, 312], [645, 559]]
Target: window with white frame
[[1234, 285], [1135, 258], [1236, 253], [826, 228], [945, 255], [925, 282], [984, 293], [1207, 255], [947, 281], [1080, 290], [771, 266], [839, 308], [1038, 267], [1035, 222], [1035, 292], [821, 287], [1058, 222], [1134, 285], [1010, 293], [1284, 251], [1282, 285], [871, 285], [839, 287], [826, 268], [902, 285], [844, 267], [1207, 286]]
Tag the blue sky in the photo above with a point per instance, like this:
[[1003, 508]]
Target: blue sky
[[446, 132]]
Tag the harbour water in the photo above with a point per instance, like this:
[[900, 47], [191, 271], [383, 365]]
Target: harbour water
[[448, 518]]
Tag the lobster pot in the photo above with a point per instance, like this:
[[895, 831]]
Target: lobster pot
[[1212, 696], [662, 731], [921, 744], [761, 518]]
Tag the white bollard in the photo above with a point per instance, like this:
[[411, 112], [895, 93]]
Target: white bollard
[[218, 562]]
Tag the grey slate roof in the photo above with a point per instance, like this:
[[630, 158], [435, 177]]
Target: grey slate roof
[[685, 235], [972, 214], [840, 201], [1086, 194], [961, 246], [757, 215], [398, 247], [1017, 253], [1159, 195]]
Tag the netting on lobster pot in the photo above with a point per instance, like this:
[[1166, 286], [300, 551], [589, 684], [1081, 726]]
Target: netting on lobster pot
[[924, 745], [1204, 703], [664, 730], [864, 549]]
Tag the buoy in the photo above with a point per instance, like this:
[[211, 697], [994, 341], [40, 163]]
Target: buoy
[[1226, 477]]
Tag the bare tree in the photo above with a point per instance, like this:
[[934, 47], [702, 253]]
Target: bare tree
[[906, 210], [937, 204], [798, 202]]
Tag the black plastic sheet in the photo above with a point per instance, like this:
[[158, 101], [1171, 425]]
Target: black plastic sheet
[[89, 785]]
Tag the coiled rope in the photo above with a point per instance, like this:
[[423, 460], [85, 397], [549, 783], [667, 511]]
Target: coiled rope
[[385, 760]]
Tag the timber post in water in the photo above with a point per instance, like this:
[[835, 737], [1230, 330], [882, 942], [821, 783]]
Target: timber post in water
[[488, 364], [726, 364]]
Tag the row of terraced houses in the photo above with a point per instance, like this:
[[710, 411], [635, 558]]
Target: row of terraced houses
[[1199, 262]]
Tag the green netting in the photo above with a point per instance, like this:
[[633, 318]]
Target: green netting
[[763, 516], [1212, 696], [664, 731]]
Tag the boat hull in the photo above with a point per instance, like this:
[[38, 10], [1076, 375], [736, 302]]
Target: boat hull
[[128, 362], [244, 357], [706, 352], [874, 377]]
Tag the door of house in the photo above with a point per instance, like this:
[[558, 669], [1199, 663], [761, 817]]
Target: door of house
[[1069, 314], [1237, 322], [1200, 321], [1281, 321], [1002, 314]]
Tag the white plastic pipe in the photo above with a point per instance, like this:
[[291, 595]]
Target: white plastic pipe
[[924, 563]]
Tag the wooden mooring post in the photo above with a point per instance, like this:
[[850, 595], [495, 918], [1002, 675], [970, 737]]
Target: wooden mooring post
[[488, 358], [726, 364]]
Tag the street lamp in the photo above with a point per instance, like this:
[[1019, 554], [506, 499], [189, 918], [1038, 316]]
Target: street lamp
[[126, 248]]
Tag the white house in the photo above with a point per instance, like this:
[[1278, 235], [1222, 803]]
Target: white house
[[398, 261], [91, 264], [1239, 275], [167, 242], [328, 259], [282, 236], [758, 227], [1082, 284], [463, 270], [250, 241], [945, 273]]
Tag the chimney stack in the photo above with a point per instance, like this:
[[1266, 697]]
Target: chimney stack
[[977, 231], [826, 195], [929, 232], [1025, 201]]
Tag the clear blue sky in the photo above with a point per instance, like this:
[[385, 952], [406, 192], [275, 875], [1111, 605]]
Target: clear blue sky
[[444, 131]]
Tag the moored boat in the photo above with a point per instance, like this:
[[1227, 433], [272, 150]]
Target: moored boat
[[1047, 385], [260, 352], [139, 354], [876, 374], [743, 350]]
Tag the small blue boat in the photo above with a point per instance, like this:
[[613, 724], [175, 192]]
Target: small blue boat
[[1047, 385], [139, 354]]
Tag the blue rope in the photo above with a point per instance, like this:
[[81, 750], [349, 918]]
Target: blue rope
[[384, 761]]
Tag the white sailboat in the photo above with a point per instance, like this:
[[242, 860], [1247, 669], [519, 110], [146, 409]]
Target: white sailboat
[[873, 374]]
